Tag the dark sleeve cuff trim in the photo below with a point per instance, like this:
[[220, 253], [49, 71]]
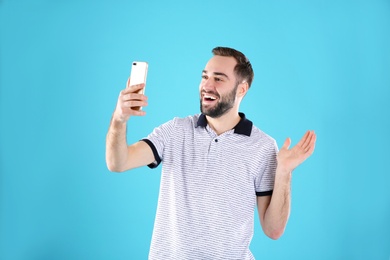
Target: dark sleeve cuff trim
[[264, 193], [155, 153]]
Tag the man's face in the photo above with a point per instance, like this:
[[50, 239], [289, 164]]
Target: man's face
[[218, 86]]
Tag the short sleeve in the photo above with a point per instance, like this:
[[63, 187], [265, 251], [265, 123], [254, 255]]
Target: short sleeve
[[158, 139], [264, 182]]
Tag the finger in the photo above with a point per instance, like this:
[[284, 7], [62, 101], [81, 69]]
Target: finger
[[132, 89], [137, 112], [314, 139], [135, 103], [303, 139], [128, 83], [136, 88], [287, 143], [134, 96], [306, 142], [309, 146], [312, 143]]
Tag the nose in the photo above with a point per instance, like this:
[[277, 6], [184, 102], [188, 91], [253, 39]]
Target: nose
[[207, 85]]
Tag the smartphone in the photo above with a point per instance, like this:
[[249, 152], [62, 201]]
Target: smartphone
[[138, 74]]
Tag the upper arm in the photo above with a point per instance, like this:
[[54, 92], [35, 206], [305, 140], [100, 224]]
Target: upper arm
[[139, 154], [262, 206], [148, 150]]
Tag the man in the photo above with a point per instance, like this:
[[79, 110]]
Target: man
[[216, 166]]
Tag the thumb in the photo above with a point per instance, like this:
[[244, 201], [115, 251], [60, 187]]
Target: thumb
[[287, 143], [128, 83]]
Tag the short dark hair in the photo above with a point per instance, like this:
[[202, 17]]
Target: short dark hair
[[243, 68]]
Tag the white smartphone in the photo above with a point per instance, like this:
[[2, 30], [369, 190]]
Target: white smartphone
[[139, 72]]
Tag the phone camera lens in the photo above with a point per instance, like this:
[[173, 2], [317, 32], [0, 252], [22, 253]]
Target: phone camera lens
[[134, 63]]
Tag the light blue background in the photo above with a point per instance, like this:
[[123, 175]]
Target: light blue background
[[322, 65]]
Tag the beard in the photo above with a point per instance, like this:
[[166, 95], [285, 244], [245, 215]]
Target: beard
[[224, 104]]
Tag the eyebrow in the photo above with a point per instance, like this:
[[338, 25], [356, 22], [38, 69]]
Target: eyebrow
[[217, 74]]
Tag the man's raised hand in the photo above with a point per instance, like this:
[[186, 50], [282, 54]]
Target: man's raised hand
[[129, 102], [289, 159]]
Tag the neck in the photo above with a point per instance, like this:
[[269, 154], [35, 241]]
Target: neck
[[225, 122]]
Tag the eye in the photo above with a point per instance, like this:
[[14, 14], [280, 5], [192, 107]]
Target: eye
[[204, 76], [218, 79]]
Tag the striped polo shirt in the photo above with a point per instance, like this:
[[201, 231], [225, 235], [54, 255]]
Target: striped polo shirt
[[208, 188]]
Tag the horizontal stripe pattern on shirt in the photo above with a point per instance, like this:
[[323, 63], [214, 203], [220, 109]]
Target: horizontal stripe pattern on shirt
[[208, 188]]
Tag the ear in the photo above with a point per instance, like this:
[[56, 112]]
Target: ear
[[242, 89]]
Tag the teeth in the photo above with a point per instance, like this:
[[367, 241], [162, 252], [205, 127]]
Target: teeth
[[209, 97]]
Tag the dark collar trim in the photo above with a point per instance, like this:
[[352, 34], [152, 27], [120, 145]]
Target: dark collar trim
[[244, 127]]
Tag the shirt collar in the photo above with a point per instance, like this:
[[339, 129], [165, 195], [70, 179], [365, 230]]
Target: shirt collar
[[244, 127]]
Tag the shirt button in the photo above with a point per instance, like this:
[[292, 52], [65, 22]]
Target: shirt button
[[216, 140]]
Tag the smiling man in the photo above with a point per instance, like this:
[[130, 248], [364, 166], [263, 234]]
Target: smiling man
[[217, 167]]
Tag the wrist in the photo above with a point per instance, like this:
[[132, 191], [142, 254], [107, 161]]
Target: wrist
[[283, 171], [118, 122]]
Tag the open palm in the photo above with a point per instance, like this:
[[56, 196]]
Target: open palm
[[289, 159]]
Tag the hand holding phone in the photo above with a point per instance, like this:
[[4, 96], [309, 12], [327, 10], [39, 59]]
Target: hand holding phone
[[130, 101], [138, 74]]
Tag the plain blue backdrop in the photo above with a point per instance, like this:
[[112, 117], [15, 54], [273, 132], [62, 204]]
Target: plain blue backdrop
[[322, 65]]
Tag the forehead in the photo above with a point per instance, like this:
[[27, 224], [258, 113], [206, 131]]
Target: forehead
[[221, 64]]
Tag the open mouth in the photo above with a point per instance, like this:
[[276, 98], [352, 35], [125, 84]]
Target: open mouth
[[209, 98]]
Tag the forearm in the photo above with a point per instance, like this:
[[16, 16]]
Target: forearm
[[116, 146], [278, 212]]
